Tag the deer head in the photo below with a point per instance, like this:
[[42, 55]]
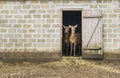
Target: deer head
[[67, 28], [73, 28]]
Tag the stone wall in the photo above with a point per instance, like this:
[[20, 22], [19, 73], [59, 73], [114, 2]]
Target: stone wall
[[34, 25], [29, 25]]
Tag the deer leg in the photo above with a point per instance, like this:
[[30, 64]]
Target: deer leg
[[64, 48], [71, 49], [79, 48], [67, 49], [74, 49]]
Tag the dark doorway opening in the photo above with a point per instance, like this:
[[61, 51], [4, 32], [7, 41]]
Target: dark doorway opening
[[72, 18]]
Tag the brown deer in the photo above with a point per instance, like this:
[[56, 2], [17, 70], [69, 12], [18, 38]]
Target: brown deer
[[66, 38], [74, 39]]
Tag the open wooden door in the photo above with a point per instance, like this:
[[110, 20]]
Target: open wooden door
[[92, 34]]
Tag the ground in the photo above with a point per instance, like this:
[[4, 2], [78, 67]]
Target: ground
[[65, 68]]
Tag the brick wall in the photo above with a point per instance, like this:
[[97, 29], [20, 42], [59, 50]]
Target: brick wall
[[35, 25], [29, 25]]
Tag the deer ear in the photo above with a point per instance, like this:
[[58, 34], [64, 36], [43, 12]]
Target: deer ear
[[63, 26], [70, 26], [76, 25]]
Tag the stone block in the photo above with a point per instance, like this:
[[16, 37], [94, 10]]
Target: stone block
[[17, 7], [41, 31], [18, 16], [3, 21], [107, 1], [112, 15], [43, 1], [112, 35], [50, 30], [3, 40], [13, 40], [35, 1], [37, 16], [102, 6], [77, 1], [93, 6], [65, 1], [27, 45], [56, 1], [116, 40], [116, 10], [18, 35], [31, 21], [3, 30], [8, 45], [108, 20], [17, 26], [35, 6], [55, 35], [113, 45], [27, 16], [107, 30], [46, 35], [46, 16], [18, 45], [55, 16], [57, 40], [50, 11], [31, 40], [50, 21], [107, 10], [105, 15], [8, 16], [26, 26], [37, 35], [113, 26], [2, 2], [22, 40], [99, 1], [13, 11], [26, 6], [21, 21], [22, 31], [51, 40], [8, 35], [37, 25], [27, 35], [40, 21], [1, 45], [57, 30], [46, 25], [12, 21], [56, 26], [116, 30], [41, 40], [6, 25], [45, 6], [23, 11], [32, 11], [5, 11], [41, 11], [32, 30], [12, 31]]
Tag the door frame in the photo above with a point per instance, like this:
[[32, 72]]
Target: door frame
[[61, 29]]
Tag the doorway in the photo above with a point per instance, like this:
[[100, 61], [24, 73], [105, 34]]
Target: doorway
[[72, 18]]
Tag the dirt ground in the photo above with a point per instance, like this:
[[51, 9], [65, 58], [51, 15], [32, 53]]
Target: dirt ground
[[65, 68]]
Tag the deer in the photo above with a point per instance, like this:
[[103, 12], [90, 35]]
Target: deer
[[66, 38], [74, 39]]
